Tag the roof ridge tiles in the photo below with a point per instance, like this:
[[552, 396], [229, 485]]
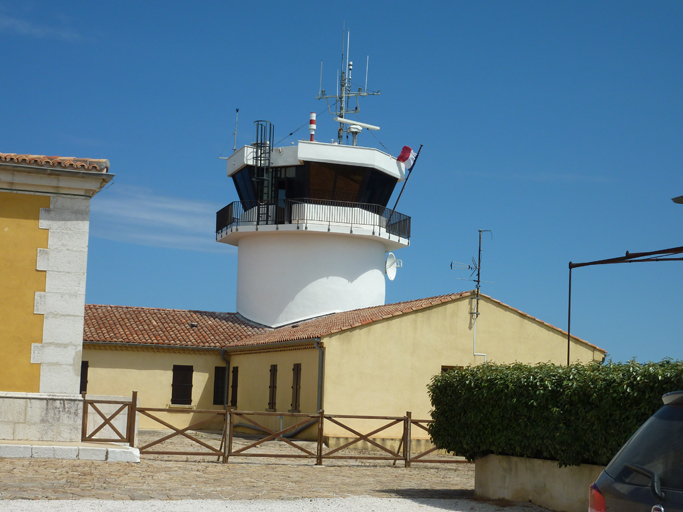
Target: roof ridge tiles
[[66, 162]]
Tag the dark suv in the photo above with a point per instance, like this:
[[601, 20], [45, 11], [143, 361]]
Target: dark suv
[[647, 473]]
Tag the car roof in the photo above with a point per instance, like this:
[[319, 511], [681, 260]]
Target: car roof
[[673, 398]]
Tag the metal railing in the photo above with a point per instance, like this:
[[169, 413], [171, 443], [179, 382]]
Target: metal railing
[[303, 211]]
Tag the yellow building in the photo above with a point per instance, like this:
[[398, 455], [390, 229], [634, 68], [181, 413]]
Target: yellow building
[[44, 219], [372, 361]]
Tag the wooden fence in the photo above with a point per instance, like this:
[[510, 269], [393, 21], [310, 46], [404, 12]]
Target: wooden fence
[[230, 417]]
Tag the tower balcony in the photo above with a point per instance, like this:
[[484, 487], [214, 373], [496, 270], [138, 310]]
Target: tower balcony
[[313, 215]]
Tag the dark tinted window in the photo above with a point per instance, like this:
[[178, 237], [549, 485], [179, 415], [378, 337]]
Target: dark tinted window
[[378, 189], [658, 446], [244, 186]]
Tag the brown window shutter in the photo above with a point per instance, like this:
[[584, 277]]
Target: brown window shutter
[[233, 386], [84, 376], [272, 390], [296, 387], [219, 390], [181, 388]]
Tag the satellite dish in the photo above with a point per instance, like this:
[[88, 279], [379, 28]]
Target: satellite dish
[[391, 265]]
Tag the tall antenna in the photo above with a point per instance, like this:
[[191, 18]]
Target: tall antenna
[[344, 93], [476, 269], [234, 146]]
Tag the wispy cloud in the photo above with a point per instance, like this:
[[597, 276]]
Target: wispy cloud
[[22, 27], [139, 216]]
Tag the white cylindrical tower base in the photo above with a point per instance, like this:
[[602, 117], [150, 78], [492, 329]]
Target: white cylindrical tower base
[[288, 277]]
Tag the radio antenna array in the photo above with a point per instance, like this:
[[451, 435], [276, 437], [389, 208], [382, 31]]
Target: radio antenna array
[[475, 267], [344, 94]]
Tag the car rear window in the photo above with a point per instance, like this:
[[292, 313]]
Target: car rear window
[[657, 446]]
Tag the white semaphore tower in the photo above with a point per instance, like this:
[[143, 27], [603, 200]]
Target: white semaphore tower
[[312, 224]]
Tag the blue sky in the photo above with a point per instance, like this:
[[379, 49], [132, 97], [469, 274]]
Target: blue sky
[[556, 125]]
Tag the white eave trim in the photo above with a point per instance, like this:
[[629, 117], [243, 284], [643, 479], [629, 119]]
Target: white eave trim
[[307, 151], [42, 180]]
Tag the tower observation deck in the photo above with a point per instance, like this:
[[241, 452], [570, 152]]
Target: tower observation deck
[[312, 228], [312, 224]]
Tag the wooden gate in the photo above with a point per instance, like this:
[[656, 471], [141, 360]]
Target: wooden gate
[[129, 407]]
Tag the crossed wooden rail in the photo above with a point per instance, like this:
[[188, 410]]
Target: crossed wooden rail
[[229, 419], [129, 407]]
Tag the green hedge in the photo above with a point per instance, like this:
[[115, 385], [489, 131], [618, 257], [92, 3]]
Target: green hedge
[[573, 414]]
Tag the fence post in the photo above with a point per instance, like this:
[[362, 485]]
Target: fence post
[[406, 446], [84, 423], [319, 457], [224, 440], [230, 432], [132, 418]]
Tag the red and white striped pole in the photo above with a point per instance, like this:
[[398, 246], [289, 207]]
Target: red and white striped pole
[[311, 125]]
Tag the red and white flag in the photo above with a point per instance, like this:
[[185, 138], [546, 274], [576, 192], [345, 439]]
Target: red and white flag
[[407, 156]]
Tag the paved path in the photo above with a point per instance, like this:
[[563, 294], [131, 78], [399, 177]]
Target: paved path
[[165, 480], [327, 487]]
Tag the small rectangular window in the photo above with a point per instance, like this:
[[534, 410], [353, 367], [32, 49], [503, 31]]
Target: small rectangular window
[[84, 376], [272, 389], [233, 386], [296, 387], [219, 386], [181, 387]]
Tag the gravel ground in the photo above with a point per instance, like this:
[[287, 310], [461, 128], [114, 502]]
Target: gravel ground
[[359, 503], [161, 483]]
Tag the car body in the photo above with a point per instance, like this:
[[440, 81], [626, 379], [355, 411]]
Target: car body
[[647, 472]]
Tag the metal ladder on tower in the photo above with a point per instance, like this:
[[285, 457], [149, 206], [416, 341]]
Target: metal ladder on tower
[[262, 171]]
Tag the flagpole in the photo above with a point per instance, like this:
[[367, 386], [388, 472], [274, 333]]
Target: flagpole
[[410, 171]]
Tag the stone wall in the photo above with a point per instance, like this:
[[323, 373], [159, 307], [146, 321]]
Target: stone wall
[[40, 417]]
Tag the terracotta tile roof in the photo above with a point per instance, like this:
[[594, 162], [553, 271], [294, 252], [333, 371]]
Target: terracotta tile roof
[[57, 162], [164, 327], [337, 322], [172, 327]]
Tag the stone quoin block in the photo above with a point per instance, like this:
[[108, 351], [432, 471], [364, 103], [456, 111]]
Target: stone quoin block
[[42, 452], [15, 451], [123, 455], [92, 453], [66, 452]]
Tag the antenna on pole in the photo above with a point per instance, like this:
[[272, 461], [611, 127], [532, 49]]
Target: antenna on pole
[[367, 66], [234, 146], [476, 269], [344, 93]]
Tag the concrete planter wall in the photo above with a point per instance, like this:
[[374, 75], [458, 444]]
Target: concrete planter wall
[[542, 482]]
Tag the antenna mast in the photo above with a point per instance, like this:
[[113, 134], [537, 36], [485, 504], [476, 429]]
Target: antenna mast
[[234, 146], [344, 93], [476, 269]]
